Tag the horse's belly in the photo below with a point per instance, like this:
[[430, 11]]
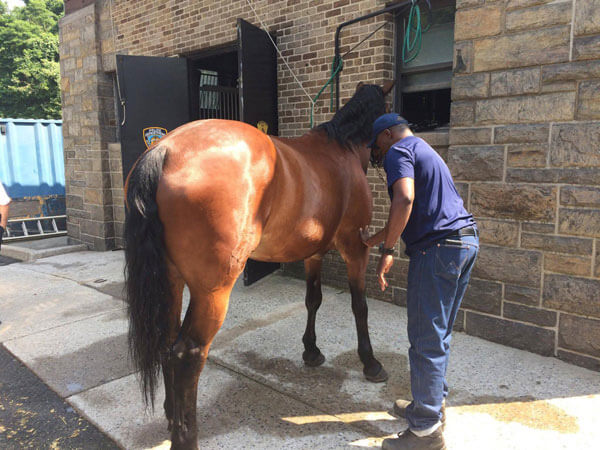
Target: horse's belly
[[293, 243]]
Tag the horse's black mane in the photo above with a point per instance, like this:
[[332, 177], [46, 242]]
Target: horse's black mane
[[352, 124]]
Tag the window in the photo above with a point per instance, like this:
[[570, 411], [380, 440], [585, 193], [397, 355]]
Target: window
[[423, 93]]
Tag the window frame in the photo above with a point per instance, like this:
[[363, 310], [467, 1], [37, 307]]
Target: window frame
[[399, 71]]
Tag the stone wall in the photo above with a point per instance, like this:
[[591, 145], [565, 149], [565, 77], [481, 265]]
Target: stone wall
[[88, 127], [525, 144], [522, 146]]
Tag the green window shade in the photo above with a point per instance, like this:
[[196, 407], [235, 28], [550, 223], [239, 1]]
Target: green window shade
[[432, 68], [427, 81]]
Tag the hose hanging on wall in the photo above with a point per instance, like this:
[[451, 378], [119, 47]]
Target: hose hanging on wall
[[411, 48]]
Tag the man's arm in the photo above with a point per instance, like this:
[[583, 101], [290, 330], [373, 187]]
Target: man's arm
[[402, 202], [400, 209], [3, 215]]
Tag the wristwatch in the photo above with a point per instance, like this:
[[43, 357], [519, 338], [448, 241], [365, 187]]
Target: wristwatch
[[385, 251]]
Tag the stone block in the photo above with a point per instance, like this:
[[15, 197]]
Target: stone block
[[74, 202], [466, 3], [548, 45], [597, 260], [470, 136], [557, 244], [459, 322], [436, 139], [588, 106], [527, 155], [94, 196], [515, 134], [560, 86], [484, 296], [580, 196], [477, 22], [536, 316], [580, 175], [554, 106], [538, 227], [466, 87], [568, 264], [587, 17], [462, 114], [579, 360], [514, 201], [514, 4], [521, 294], [498, 232], [514, 266], [586, 47], [514, 334], [476, 163], [538, 17], [399, 296], [572, 294], [463, 57], [575, 145], [578, 70], [463, 191], [515, 82], [579, 334], [582, 222]]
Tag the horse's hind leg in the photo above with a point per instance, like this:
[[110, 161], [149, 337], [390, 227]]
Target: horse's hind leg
[[312, 356], [356, 256], [203, 319], [174, 322]]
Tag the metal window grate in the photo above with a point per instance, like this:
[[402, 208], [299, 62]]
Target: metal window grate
[[217, 102]]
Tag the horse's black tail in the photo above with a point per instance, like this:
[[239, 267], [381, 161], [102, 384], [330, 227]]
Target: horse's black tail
[[146, 270]]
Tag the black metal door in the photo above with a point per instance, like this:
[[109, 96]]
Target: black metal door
[[257, 61], [156, 95]]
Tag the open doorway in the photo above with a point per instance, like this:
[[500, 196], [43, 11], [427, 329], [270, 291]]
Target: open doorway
[[214, 85]]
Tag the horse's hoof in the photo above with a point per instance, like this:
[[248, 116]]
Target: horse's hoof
[[320, 359], [379, 377]]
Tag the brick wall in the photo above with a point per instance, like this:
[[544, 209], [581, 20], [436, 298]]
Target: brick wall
[[522, 146]]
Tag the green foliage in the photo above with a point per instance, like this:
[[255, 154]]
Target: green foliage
[[29, 67]]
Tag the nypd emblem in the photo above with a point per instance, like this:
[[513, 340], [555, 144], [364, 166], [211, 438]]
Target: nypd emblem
[[153, 135], [263, 126]]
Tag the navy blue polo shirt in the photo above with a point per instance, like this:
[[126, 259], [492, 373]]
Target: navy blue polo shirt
[[438, 209]]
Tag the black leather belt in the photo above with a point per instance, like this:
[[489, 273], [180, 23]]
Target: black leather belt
[[466, 231]]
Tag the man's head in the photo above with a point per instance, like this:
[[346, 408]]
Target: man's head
[[387, 130]]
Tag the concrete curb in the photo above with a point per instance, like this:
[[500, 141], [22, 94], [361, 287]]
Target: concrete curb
[[23, 253]]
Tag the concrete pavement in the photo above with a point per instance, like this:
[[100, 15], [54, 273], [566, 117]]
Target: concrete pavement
[[64, 318]]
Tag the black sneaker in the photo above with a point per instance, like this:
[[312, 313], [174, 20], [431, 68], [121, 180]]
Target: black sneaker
[[407, 440], [400, 405]]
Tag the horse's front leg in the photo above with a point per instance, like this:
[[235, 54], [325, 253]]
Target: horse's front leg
[[312, 356], [356, 256]]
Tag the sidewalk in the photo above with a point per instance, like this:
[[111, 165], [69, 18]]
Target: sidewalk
[[64, 318]]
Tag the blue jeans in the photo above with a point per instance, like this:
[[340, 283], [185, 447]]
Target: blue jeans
[[437, 280]]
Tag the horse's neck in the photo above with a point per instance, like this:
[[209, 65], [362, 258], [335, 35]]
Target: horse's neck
[[315, 140]]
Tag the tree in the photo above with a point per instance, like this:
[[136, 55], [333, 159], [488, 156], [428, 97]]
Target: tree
[[29, 64]]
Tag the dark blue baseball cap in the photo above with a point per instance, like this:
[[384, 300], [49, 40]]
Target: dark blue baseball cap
[[384, 122]]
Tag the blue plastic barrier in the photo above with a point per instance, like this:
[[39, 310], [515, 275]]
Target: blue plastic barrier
[[31, 157]]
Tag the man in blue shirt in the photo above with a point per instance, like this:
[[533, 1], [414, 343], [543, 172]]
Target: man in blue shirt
[[442, 242]]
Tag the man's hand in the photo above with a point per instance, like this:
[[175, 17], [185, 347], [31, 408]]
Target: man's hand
[[365, 235], [384, 266]]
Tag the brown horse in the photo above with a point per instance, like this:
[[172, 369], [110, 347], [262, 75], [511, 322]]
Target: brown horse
[[212, 194]]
